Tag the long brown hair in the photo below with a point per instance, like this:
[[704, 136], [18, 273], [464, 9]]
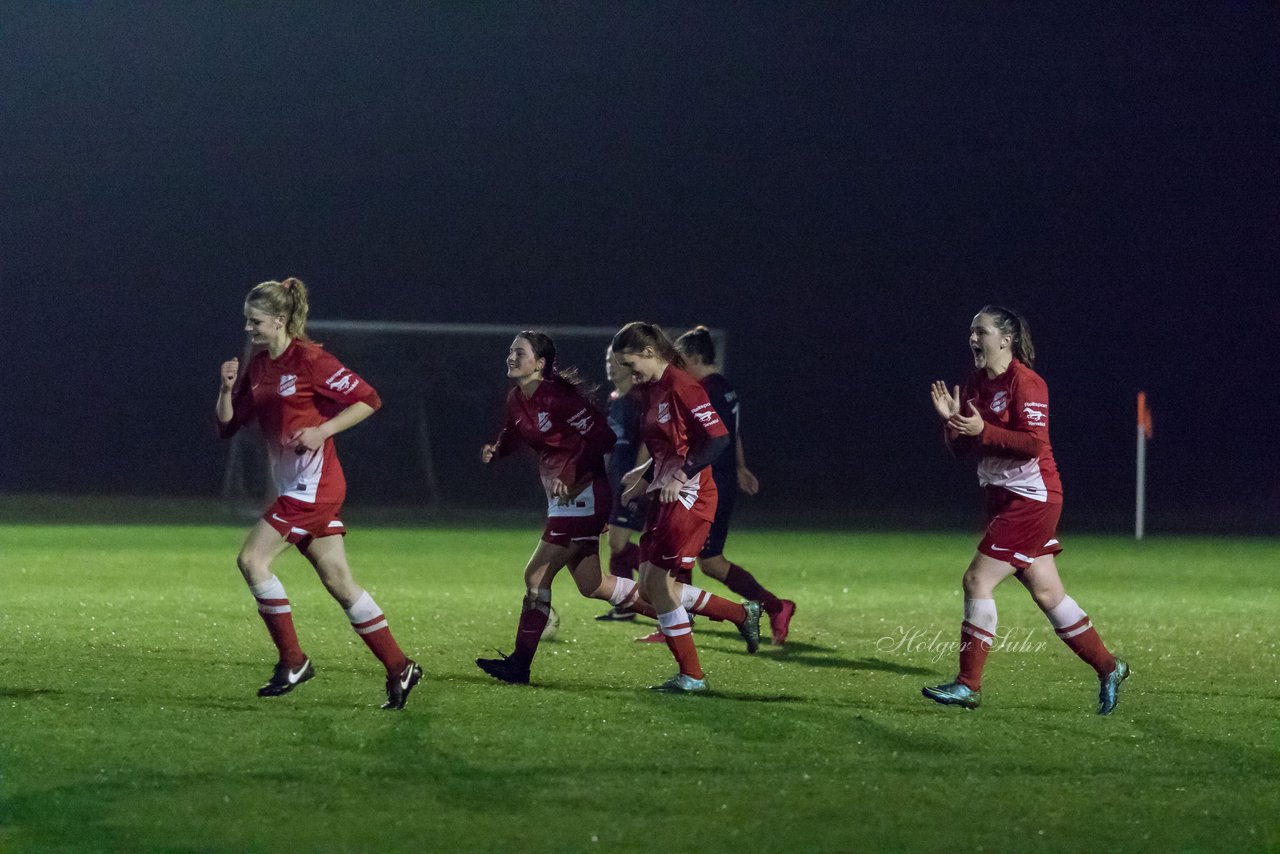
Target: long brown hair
[[637, 335], [544, 347]]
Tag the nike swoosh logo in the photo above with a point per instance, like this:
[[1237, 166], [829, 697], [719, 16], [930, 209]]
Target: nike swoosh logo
[[294, 677], [993, 548], [670, 557], [555, 534], [404, 680], [278, 519]]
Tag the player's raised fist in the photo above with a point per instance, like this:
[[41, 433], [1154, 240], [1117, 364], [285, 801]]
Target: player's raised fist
[[487, 452], [230, 370]]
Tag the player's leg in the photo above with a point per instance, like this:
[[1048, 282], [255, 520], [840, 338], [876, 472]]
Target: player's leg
[[624, 555], [535, 610], [712, 562], [977, 631], [329, 557], [262, 546], [1074, 627], [620, 592]]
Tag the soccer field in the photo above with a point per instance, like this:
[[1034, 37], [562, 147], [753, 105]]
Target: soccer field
[[128, 719]]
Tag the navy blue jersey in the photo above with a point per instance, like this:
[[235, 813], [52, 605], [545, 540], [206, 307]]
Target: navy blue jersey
[[725, 402], [626, 414]]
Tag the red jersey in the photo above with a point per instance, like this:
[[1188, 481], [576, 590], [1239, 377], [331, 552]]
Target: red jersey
[[678, 415], [303, 388], [569, 435], [1014, 443]]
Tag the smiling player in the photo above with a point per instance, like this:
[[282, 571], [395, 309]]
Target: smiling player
[[548, 411], [302, 397]]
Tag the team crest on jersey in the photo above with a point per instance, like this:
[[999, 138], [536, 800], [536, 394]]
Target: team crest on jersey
[[1000, 402], [342, 381], [664, 414], [288, 384], [544, 421]]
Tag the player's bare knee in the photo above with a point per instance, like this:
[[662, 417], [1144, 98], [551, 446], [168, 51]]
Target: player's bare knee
[[253, 568]]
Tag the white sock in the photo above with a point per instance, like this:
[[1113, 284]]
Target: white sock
[[622, 588], [539, 599], [693, 598], [674, 623], [271, 596], [365, 615], [980, 614]]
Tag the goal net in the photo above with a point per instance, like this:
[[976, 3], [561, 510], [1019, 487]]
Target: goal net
[[442, 387]]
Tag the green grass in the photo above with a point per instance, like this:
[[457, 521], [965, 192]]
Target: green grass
[[128, 719]]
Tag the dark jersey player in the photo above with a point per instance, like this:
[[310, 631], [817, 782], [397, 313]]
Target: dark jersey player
[[547, 412], [626, 416], [301, 396], [683, 434], [1001, 416]]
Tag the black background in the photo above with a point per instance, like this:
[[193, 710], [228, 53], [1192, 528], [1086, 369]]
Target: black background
[[839, 187]]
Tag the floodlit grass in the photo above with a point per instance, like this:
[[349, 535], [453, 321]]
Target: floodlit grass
[[131, 654]]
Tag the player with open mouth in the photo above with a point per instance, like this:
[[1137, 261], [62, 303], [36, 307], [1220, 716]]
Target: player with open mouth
[[1001, 415]]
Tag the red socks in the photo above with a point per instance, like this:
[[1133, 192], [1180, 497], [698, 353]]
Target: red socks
[[274, 608]]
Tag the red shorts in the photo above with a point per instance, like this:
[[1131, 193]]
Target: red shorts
[[673, 537], [584, 518], [1019, 529], [297, 521]]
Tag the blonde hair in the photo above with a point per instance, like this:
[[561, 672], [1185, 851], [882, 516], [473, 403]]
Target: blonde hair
[[287, 299]]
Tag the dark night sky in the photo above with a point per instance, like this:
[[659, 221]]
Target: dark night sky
[[838, 186]]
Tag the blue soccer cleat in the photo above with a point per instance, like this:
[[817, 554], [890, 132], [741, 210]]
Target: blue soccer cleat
[[954, 694], [1109, 688], [681, 684]]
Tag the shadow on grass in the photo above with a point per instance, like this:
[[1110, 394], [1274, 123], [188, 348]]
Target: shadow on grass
[[25, 693]]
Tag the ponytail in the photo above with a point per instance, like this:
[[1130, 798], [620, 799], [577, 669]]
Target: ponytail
[[287, 299]]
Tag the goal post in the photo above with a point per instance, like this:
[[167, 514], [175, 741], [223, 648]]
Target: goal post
[[442, 386]]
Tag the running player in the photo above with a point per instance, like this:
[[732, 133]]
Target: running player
[[302, 397], [1002, 416], [625, 417], [683, 434], [730, 472], [548, 411]]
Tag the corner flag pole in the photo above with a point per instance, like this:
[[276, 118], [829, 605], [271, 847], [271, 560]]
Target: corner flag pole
[[1144, 433]]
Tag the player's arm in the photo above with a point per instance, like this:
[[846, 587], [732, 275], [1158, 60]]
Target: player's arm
[[508, 439], [747, 481], [947, 404], [636, 482], [313, 438], [234, 406], [334, 381]]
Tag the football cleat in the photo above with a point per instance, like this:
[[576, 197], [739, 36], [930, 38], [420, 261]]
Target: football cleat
[[954, 694], [1109, 688], [656, 637], [681, 684], [750, 628], [285, 678], [617, 615], [400, 684], [780, 623], [505, 669]]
